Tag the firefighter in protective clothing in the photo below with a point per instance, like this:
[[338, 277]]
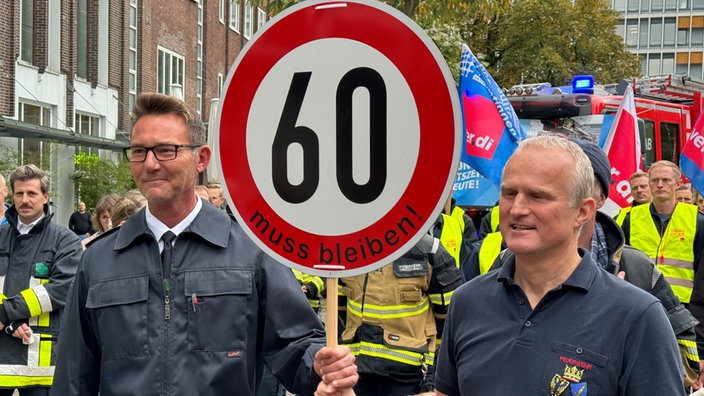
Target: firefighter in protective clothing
[[395, 316], [38, 260]]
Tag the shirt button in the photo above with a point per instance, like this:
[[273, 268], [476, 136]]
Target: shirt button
[[528, 323], [521, 301], [579, 351]]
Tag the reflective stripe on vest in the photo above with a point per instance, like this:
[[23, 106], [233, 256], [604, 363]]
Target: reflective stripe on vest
[[451, 237], [674, 251], [387, 311], [397, 355], [37, 372], [489, 251]]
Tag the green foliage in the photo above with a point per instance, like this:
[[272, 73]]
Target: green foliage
[[523, 40], [9, 160], [553, 40], [95, 177]]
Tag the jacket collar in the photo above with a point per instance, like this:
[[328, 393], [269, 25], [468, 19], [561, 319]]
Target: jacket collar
[[211, 224], [11, 216], [615, 240]]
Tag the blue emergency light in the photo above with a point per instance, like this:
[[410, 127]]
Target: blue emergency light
[[583, 84]]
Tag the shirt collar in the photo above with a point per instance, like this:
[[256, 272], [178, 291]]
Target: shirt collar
[[158, 228], [25, 228], [582, 277]]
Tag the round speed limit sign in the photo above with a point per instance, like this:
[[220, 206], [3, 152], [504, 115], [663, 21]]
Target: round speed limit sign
[[339, 135]]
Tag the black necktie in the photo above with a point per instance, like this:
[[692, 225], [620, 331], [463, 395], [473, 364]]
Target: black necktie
[[166, 254]]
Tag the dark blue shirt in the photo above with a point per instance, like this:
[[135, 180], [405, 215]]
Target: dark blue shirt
[[595, 333]]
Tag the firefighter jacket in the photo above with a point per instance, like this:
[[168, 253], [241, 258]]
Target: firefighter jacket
[[314, 287], [233, 309], [395, 314], [672, 249], [36, 270]]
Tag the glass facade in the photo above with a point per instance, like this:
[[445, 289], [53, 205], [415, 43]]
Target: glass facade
[[667, 35]]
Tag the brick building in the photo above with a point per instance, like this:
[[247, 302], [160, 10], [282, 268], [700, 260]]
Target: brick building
[[70, 71]]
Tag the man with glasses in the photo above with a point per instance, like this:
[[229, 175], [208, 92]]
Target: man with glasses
[[178, 300], [671, 233]]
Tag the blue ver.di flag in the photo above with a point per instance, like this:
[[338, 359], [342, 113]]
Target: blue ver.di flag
[[491, 127]]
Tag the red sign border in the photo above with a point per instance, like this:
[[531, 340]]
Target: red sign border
[[438, 111]]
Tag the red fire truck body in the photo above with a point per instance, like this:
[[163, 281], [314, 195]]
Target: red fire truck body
[[667, 107]]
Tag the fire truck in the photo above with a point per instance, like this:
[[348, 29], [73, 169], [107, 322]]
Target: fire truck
[[667, 106]]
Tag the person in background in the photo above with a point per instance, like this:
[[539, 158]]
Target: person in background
[[100, 218], [3, 200], [146, 313], [640, 192], [216, 192], [79, 222], [394, 319], [684, 194], [204, 193], [523, 318], [126, 206], [699, 201], [38, 260], [671, 233]]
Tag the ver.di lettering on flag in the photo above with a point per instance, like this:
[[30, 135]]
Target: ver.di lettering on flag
[[622, 146], [692, 158], [491, 126]]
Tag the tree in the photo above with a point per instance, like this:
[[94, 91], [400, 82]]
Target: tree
[[553, 40], [95, 177]]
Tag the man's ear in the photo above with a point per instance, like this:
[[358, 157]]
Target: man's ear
[[204, 154]]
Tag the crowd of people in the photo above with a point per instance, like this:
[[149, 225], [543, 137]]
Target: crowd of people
[[159, 291]]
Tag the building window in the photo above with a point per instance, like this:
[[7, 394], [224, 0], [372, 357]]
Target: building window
[[656, 6], [669, 33], [643, 34], [248, 19], [698, 4], [35, 151], [87, 125], [620, 5], [82, 39], [654, 65], [633, 5], [684, 4], [644, 5], [235, 15], [220, 82], [695, 70], [261, 17], [668, 63], [682, 37], [221, 11], [132, 96], [697, 37], [632, 33], [655, 32], [671, 5], [27, 32], [199, 64], [170, 70]]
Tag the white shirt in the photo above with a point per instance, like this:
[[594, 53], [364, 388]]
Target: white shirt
[[25, 228], [158, 228]]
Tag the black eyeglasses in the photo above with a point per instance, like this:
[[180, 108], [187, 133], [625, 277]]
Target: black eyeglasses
[[162, 152]]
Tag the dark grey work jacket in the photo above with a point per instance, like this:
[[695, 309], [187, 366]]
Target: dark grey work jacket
[[232, 309]]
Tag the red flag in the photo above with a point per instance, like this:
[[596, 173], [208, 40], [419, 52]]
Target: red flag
[[622, 146], [692, 158]]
